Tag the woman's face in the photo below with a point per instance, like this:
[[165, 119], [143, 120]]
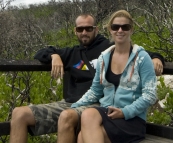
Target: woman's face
[[121, 30]]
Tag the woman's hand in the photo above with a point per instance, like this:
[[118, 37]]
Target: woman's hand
[[115, 113]]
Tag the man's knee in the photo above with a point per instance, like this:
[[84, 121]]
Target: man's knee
[[17, 113], [68, 116], [22, 114]]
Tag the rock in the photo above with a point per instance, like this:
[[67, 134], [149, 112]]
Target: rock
[[168, 80]]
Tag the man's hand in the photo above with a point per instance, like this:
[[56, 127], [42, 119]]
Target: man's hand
[[57, 66], [158, 66]]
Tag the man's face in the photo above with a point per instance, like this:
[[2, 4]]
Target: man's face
[[85, 30]]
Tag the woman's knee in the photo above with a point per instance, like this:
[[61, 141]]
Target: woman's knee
[[79, 138], [89, 114]]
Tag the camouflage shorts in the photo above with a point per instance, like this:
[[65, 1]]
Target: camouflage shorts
[[46, 116]]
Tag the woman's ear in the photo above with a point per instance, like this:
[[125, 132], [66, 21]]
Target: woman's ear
[[111, 31], [131, 31]]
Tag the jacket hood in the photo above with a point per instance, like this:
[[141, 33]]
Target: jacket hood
[[136, 49], [133, 56]]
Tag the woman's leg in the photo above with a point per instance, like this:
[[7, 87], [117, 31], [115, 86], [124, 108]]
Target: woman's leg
[[79, 139], [92, 130]]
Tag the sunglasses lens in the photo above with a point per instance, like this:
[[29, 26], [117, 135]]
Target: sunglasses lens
[[88, 29], [125, 27], [115, 27], [79, 29]]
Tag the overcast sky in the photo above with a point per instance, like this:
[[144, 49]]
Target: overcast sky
[[27, 2]]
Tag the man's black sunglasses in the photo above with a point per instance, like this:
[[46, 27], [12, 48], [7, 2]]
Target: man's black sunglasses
[[87, 28], [125, 27]]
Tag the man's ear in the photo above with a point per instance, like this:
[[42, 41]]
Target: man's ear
[[75, 31], [97, 30]]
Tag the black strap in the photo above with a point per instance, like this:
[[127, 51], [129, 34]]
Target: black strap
[[91, 69]]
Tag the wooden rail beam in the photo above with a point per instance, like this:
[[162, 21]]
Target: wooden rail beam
[[23, 65]]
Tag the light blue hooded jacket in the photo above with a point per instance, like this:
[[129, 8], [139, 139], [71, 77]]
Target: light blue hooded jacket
[[136, 90]]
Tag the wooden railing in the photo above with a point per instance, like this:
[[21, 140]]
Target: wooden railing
[[34, 65]]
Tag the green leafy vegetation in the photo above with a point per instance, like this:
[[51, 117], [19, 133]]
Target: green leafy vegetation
[[40, 89], [158, 114]]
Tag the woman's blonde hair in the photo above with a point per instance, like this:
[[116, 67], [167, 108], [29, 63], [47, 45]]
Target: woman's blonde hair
[[120, 13]]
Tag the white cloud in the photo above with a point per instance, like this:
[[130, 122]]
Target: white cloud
[[27, 2]]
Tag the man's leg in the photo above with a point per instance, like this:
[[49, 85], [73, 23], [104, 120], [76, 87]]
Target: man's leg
[[21, 118], [39, 119], [67, 124]]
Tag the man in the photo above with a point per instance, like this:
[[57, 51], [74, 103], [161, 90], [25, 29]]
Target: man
[[42, 119]]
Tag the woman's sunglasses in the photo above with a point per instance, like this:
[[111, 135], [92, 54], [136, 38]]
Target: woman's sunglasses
[[125, 27], [87, 29]]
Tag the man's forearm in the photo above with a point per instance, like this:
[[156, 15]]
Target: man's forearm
[[156, 55]]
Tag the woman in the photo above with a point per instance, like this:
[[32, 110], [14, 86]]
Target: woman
[[125, 76]]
